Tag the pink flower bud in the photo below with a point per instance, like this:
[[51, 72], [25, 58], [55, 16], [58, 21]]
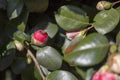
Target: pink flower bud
[[39, 37], [104, 76]]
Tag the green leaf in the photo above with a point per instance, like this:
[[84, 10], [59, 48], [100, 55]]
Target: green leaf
[[18, 66], [49, 58], [36, 5], [7, 60], [71, 18], [51, 29], [106, 20], [20, 36], [61, 75], [73, 44], [36, 73], [118, 38], [21, 27], [90, 51], [14, 8], [118, 9]]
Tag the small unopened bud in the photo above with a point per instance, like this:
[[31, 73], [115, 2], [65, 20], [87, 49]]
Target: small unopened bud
[[113, 48], [39, 37], [19, 45], [101, 5], [29, 60]]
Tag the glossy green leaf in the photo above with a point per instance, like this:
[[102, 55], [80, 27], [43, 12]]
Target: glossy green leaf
[[14, 8], [51, 29], [90, 51], [18, 65], [72, 45], [49, 58], [116, 30], [61, 75], [20, 36], [106, 20], [36, 5], [118, 9], [71, 18], [7, 60], [118, 38]]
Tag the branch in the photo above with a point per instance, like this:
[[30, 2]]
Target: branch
[[36, 63], [114, 3]]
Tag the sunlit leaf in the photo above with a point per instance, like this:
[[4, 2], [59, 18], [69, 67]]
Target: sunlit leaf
[[90, 51], [71, 18], [106, 20], [51, 29], [49, 58]]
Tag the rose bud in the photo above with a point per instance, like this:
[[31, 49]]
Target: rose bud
[[19, 45], [39, 37], [101, 5], [74, 34], [114, 62], [104, 76]]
